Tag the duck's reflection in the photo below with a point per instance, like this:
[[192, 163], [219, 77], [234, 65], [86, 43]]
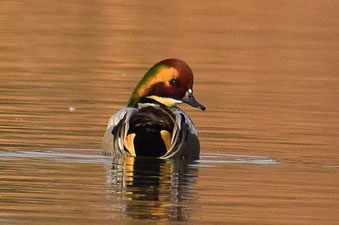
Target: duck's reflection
[[152, 188]]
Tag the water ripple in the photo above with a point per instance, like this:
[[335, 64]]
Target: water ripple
[[206, 160], [209, 160]]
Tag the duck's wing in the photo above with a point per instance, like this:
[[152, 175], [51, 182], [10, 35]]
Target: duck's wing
[[116, 132], [185, 142], [181, 115]]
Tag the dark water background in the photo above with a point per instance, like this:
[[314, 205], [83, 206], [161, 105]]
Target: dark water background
[[267, 71]]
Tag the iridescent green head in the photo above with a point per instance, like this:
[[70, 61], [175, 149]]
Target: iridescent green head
[[169, 82]]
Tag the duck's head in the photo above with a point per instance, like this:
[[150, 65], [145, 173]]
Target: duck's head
[[168, 82]]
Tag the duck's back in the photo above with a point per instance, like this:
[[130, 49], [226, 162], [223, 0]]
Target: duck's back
[[151, 130]]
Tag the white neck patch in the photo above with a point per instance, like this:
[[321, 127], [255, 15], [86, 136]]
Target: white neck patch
[[164, 100]]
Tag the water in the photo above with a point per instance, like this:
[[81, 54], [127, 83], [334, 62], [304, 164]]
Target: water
[[267, 73]]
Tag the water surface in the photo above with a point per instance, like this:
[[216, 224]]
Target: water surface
[[266, 71]]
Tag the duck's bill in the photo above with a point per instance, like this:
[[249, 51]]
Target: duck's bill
[[190, 99]]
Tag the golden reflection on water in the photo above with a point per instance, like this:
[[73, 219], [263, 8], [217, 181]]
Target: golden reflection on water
[[154, 188], [266, 71]]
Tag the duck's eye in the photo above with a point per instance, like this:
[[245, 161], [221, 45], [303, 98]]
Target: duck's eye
[[173, 82]]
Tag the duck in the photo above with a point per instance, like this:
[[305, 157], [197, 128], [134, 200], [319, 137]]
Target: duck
[[152, 124]]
